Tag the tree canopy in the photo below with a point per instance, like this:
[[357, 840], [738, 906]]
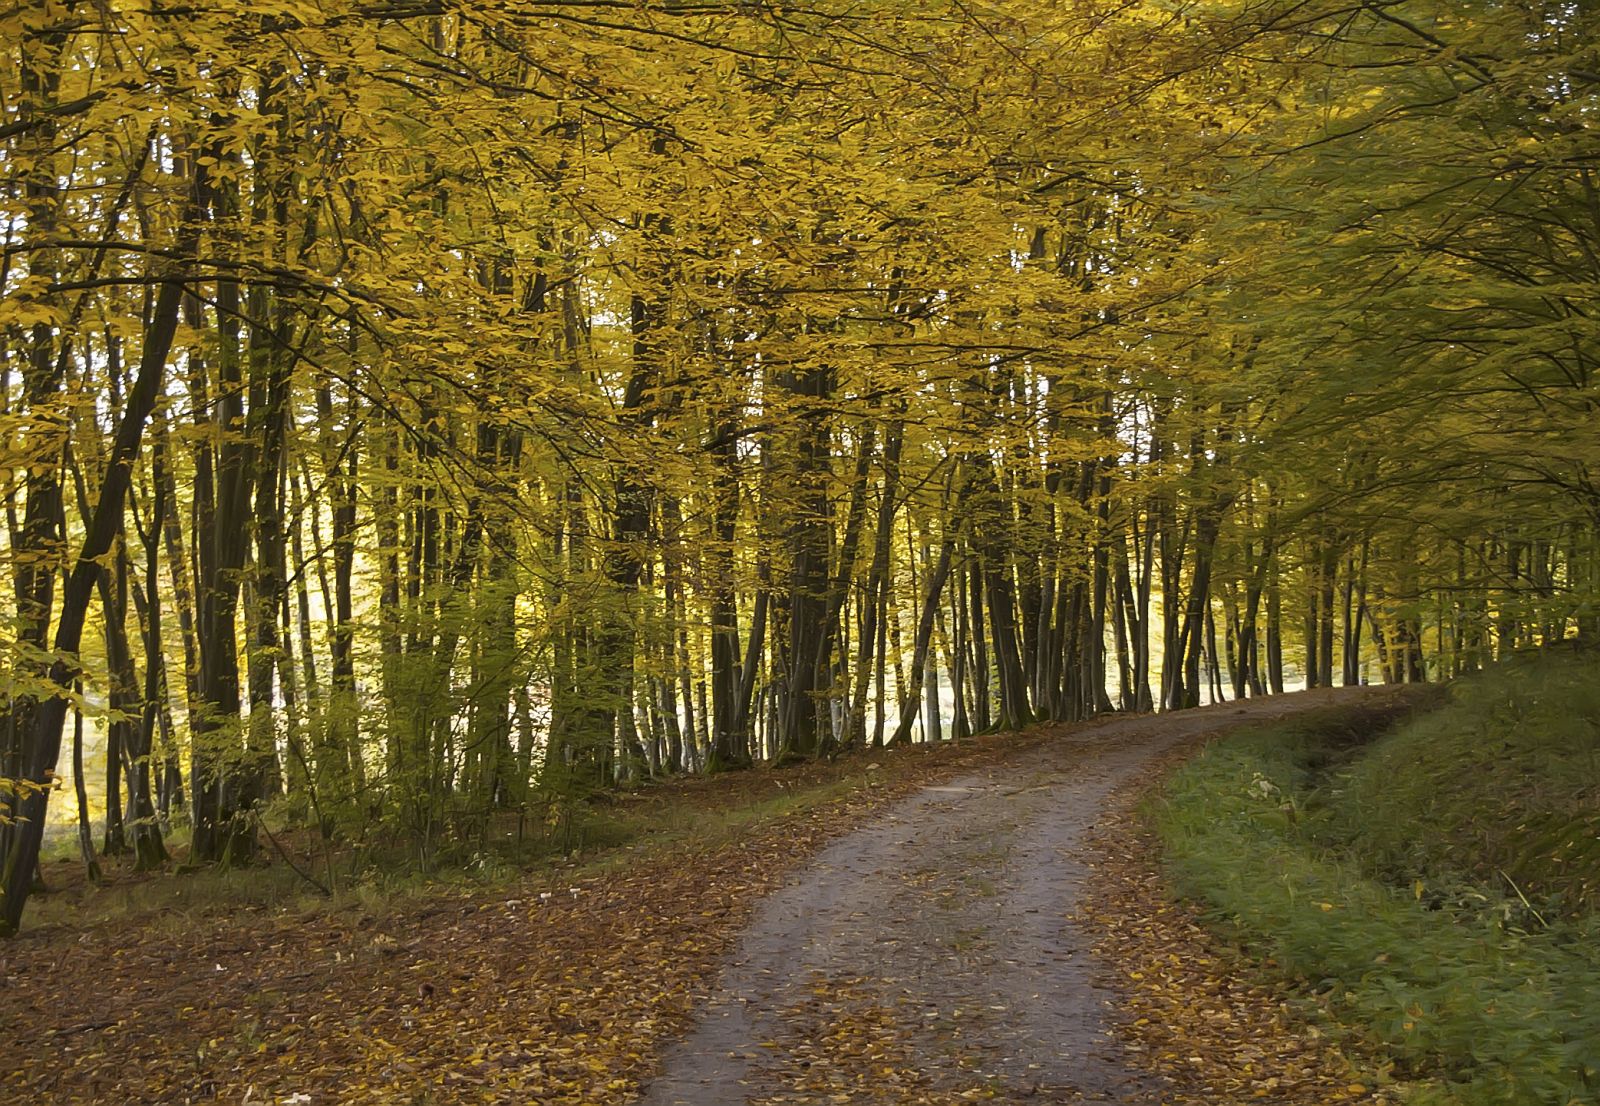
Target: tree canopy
[[417, 411]]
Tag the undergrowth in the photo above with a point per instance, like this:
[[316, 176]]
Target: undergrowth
[[1501, 789], [1384, 880], [588, 839]]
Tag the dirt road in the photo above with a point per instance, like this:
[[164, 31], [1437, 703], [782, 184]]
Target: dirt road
[[931, 957]]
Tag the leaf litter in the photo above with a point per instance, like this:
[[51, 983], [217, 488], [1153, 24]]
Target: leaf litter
[[558, 989], [1200, 1013], [567, 988]]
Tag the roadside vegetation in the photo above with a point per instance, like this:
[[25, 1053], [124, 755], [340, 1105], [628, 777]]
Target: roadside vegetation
[[1433, 890], [602, 834]]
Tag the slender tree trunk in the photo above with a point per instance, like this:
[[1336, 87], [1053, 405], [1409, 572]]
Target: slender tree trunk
[[910, 696], [1274, 635], [1124, 626], [729, 746], [1327, 570], [876, 595], [981, 696], [91, 863]]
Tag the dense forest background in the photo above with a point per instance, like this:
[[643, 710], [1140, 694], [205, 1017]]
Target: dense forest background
[[417, 411]]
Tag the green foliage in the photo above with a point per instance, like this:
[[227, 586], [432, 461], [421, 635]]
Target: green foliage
[[1500, 788], [575, 837], [1471, 996]]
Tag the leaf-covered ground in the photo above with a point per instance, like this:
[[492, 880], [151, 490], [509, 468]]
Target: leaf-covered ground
[[945, 955], [558, 989], [568, 985], [1198, 1012]]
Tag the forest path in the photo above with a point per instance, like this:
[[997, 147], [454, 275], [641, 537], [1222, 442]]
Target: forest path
[[931, 957]]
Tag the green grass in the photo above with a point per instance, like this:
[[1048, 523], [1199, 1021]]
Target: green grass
[[1501, 789], [1359, 873]]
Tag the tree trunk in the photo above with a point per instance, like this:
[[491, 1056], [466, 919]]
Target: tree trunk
[[43, 743], [910, 697]]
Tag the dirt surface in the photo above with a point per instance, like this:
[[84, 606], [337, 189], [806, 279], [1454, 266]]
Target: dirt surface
[[559, 987], [930, 957], [889, 934]]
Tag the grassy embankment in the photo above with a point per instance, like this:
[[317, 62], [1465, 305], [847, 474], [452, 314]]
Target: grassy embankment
[[1436, 890]]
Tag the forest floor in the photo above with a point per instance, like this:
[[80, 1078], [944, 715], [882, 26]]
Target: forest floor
[[971, 921], [1005, 937]]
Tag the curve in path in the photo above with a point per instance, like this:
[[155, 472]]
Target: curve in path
[[942, 934]]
